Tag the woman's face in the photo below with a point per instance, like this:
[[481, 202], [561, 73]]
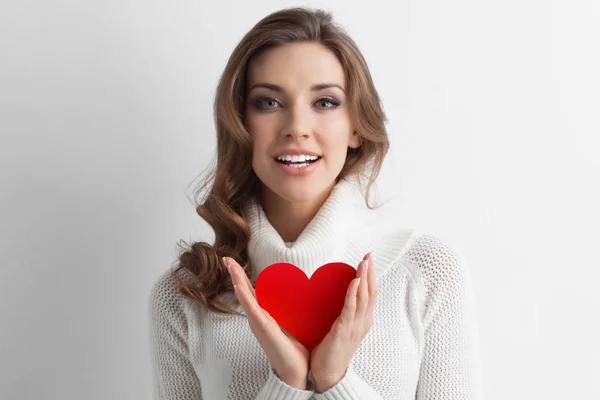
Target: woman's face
[[298, 116]]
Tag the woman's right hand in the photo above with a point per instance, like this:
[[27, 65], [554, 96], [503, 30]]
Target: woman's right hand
[[289, 358]]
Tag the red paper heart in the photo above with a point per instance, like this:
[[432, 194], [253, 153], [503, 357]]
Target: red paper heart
[[305, 308]]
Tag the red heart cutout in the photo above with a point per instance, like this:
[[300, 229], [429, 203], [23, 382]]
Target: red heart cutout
[[305, 308]]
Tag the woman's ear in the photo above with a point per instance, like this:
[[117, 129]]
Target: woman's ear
[[355, 140]]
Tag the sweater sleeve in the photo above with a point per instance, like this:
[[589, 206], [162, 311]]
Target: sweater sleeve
[[276, 389], [173, 374], [450, 367], [351, 387]]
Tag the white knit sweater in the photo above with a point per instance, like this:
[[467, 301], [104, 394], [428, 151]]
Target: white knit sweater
[[423, 343]]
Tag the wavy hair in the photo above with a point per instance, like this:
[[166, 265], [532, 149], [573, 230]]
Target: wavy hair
[[232, 181]]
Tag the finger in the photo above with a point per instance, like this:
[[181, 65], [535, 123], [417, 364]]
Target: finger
[[266, 332], [242, 275], [372, 277], [289, 335], [242, 292], [363, 294], [243, 298], [349, 310], [255, 314], [261, 322], [373, 289], [274, 340]]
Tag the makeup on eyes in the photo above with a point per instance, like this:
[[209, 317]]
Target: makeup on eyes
[[258, 100]]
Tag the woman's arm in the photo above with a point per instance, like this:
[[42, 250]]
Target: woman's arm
[[451, 368], [173, 374]]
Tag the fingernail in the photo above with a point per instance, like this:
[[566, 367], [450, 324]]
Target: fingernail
[[366, 264], [227, 265]]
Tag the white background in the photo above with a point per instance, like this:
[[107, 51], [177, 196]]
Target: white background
[[106, 118]]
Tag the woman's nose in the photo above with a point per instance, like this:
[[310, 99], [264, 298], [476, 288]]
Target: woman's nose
[[298, 121]]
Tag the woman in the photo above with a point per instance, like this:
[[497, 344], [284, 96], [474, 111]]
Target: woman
[[298, 123]]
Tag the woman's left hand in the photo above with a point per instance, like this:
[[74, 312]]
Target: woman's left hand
[[331, 358]]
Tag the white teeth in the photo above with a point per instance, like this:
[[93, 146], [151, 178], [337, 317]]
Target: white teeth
[[296, 158]]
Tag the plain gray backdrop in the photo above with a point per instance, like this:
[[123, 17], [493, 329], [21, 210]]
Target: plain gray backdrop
[[106, 118]]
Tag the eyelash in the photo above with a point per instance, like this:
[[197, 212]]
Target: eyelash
[[259, 100]]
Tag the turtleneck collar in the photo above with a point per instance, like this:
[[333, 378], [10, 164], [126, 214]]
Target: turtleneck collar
[[343, 230], [318, 243]]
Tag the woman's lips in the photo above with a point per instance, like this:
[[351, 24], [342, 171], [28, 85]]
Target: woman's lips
[[300, 171]]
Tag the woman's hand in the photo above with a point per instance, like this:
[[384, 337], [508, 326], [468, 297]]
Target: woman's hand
[[331, 358], [288, 357]]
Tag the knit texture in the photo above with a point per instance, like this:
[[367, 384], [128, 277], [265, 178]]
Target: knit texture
[[423, 344]]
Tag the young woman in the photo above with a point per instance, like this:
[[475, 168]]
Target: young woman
[[299, 124]]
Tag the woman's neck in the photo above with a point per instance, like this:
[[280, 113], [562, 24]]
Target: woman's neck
[[290, 218]]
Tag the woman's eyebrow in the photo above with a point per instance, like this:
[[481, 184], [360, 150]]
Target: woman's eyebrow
[[314, 88]]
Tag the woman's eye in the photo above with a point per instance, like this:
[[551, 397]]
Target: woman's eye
[[264, 102], [327, 100], [269, 102]]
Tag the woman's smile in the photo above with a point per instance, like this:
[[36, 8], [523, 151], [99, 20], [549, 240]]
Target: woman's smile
[[299, 168]]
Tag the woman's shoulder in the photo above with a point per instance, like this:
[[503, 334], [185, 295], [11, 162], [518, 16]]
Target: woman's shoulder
[[165, 300], [437, 261], [430, 248]]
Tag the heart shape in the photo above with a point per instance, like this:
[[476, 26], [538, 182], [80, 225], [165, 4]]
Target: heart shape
[[305, 308]]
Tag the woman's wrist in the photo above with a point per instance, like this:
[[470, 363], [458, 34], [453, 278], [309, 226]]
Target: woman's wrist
[[323, 384], [297, 382]]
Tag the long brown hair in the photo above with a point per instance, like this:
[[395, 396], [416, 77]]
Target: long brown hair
[[232, 181]]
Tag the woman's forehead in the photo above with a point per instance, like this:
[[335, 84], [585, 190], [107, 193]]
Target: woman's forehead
[[296, 66]]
